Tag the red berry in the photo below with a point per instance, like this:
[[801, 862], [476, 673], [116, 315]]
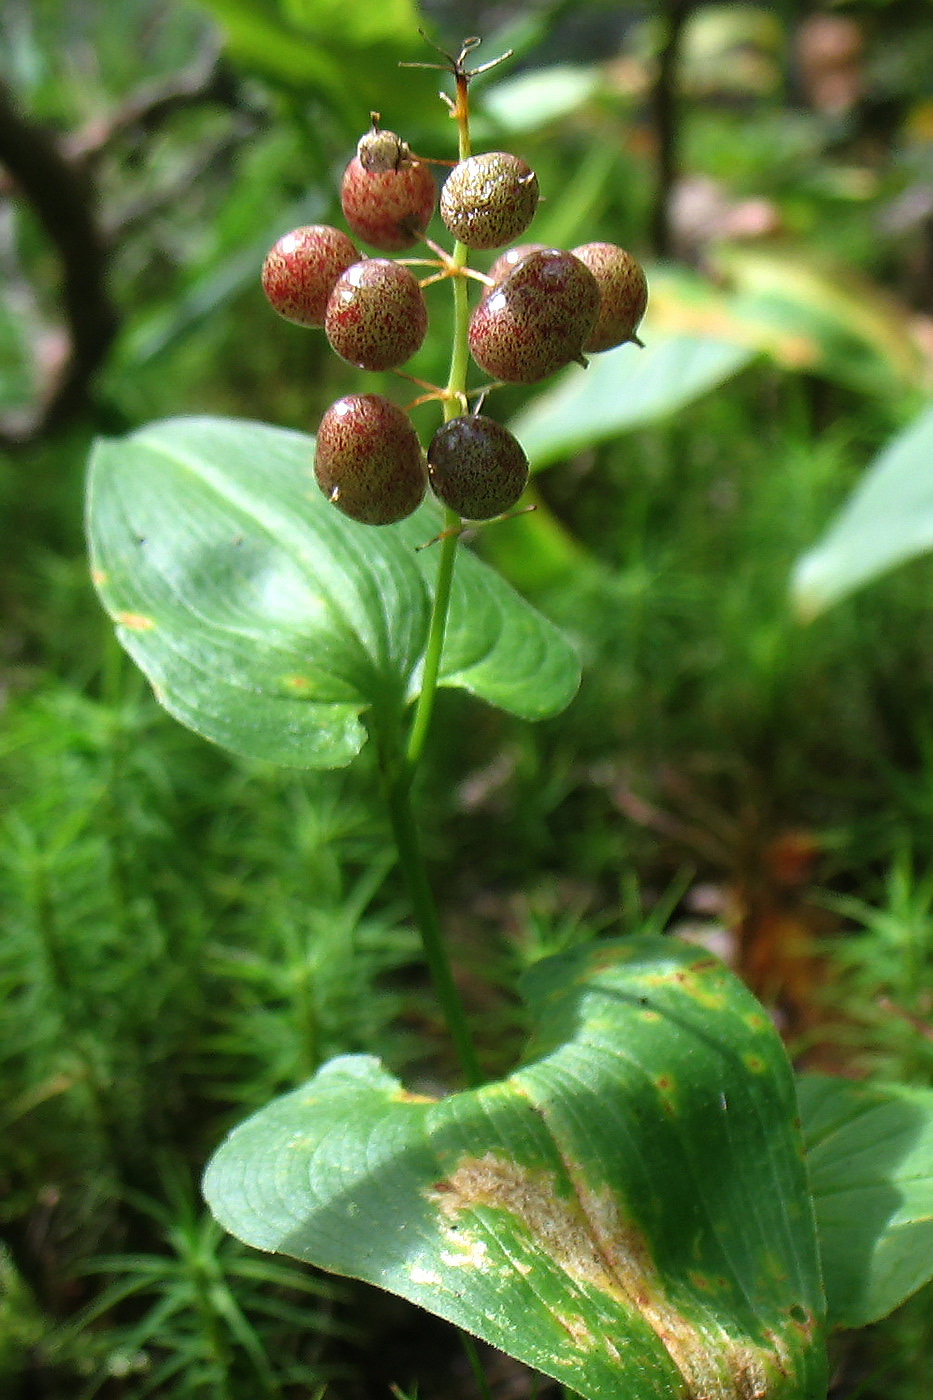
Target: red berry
[[376, 317], [476, 467], [623, 293], [490, 199], [300, 270], [368, 460], [537, 320], [508, 261], [389, 209]]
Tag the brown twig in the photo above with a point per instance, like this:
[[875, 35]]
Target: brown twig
[[664, 107], [62, 199], [53, 175]]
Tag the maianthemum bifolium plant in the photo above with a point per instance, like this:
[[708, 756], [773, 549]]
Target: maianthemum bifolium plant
[[649, 1206]]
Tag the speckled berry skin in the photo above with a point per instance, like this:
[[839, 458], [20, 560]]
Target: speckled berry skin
[[488, 200], [476, 467], [623, 293], [376, 316], [368, 460], [300, 270], [389, 209], [537, 320], [508, 261]]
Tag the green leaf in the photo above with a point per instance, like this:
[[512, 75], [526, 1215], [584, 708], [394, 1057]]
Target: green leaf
[[859, 337], [267, 621], [870, 1158], [355, 21], [627, 1212], [541, 97], [623, 389], [349, 50], [887, 519]]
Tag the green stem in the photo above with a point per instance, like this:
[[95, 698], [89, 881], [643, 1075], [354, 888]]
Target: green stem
[[432, 656], [456, 387], [453, 400], [397, 775], [479, 1375], [397, 787]]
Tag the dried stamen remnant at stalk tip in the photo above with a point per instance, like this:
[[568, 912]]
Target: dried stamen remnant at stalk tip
[[368, 460], [386, 195], [379, 151]]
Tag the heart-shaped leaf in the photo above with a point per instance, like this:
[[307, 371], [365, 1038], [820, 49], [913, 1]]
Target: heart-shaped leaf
[[267, 621], [870, 1156], [628, 1212]]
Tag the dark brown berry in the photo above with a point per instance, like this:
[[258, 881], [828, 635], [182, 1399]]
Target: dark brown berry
[[490, 199], [389, 209], [476, 467], [623, 294], [376, 317], [300, 270], [536, 320], [368, 460]]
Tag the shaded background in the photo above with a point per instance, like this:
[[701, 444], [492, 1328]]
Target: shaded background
[[185, 934]]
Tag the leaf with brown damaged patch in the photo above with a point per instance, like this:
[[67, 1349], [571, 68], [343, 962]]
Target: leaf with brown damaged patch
[[627, 1212]]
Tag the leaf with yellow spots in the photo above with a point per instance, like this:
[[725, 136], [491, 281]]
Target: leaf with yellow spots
[[627, 1212]]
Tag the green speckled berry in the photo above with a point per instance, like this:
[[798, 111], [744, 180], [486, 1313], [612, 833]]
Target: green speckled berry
[[476, 467], [300, 270], [376, 316], [368, 460], [390, 209], [490, 199], [623, 293], [537, 320]]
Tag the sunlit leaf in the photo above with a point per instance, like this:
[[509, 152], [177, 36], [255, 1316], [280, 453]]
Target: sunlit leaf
[[349, 50], [861, 337], [270, 623], [887, 519], [540, 97], [627, 1212], [623, 389], [870, 1158]]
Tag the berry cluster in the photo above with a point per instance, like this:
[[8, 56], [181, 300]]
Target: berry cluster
[[541, 308]]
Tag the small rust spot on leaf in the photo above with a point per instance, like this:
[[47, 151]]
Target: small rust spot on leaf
[[135, 622], [99, 577], [297, 682]]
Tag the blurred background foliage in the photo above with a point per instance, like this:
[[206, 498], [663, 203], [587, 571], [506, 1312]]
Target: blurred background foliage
[[185, 934]]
